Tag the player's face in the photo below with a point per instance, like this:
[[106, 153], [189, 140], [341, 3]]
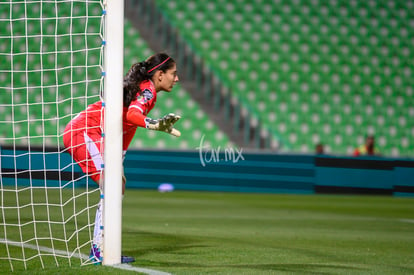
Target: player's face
[[168, 79]]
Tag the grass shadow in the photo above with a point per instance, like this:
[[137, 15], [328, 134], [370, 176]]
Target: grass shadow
[[160, 243], [270, 267]]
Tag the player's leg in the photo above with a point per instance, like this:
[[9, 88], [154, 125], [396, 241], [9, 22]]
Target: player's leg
[[94, 152], [94, 166], [86, 151], [96, 253]]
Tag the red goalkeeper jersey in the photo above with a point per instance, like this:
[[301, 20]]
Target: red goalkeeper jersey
[[143, 103], [91, 120]]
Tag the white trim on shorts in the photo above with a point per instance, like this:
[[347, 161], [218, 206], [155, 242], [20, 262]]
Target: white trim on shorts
[[93, 152]]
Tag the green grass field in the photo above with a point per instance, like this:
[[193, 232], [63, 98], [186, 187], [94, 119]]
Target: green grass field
[[229, 233]]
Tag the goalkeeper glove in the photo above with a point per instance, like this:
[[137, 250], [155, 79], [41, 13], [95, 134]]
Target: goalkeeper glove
[[164, 124]]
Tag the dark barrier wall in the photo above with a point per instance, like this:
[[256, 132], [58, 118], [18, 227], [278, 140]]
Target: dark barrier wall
[[275, 173], [225, 170], [364, 176], [221, 171]]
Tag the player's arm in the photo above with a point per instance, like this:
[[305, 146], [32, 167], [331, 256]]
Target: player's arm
[[164, 124], [136, 117]]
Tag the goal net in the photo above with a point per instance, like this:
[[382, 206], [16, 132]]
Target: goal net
[[51, 56]]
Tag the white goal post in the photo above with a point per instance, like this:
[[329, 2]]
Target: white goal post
[[114, 56], [56, 58]]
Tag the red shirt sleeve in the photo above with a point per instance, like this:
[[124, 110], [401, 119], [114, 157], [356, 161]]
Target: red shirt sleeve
[[135, 117]]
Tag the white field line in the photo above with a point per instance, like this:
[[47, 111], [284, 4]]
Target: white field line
[[84, 257]]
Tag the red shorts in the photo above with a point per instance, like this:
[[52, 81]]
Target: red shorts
[[85, 149]]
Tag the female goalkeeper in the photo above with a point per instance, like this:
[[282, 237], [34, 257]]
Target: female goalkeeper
[[83, 134]]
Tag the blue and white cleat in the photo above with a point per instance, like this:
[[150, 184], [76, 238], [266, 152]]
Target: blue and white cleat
[[127, 259], [96, 256]]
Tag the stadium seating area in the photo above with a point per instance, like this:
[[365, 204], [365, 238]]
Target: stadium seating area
[[313, 71], [46, 74], [194, 123], [40, 113]]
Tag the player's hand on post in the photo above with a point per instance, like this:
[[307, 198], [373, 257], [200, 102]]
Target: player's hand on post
[[164, 124]]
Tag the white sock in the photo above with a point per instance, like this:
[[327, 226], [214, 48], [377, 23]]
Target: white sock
[[98, 232]]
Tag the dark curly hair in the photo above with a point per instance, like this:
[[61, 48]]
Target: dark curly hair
[[143, 71]]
